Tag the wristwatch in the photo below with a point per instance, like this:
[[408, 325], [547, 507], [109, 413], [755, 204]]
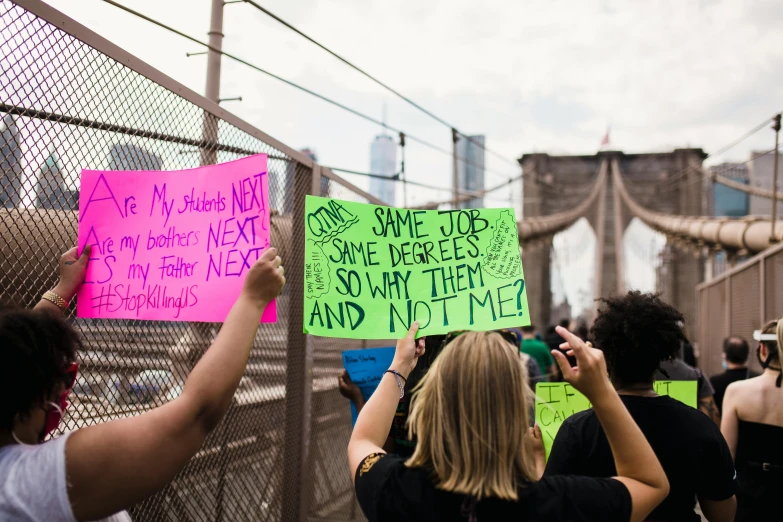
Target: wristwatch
[[55, 299]]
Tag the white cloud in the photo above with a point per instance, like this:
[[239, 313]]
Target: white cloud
[[538, 75]]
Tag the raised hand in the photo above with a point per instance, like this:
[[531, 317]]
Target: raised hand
[[72, 270], [265, 279], [348, 388], [589, 376], [408, 351]]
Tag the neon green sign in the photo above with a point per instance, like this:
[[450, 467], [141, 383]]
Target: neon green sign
[[370, 271], [556, 401]]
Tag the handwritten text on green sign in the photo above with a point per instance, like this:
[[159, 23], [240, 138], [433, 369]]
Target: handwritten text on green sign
[[370, 271], [556, 401]]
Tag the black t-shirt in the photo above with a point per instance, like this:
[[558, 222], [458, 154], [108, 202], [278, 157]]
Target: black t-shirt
[[721, 382], [388, 490], [688, 444]]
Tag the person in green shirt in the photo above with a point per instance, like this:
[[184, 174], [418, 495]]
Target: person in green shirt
[[538, 350]]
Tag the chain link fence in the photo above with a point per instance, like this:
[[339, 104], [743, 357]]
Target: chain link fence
[[736, 303], [69, 100]]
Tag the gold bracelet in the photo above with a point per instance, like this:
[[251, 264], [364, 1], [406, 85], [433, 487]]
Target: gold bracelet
[[55, 299]]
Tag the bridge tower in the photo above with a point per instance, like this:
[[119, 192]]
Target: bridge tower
[[658, 181]]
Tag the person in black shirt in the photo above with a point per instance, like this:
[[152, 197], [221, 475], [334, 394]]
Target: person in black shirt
[[636, 332], [735, 361], [469, 415]]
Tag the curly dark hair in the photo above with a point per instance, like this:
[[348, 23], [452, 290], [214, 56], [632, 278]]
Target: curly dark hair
[[636, 331], [36, 347]]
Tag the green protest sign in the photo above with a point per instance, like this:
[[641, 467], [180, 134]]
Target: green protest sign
[[370, 271], [556, 401]]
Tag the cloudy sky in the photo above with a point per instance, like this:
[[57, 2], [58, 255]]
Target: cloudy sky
[[531, 75]]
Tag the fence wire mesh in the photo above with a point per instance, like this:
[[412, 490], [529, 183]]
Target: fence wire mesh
[[66, 105], [737, 303]]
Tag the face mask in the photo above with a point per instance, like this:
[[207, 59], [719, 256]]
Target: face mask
[[55, 415], [724, 365]]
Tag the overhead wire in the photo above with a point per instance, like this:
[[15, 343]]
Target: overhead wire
[[299, 87], [677, 176], [377, 81]]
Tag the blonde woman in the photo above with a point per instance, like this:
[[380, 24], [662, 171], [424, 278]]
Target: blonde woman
[[753, 427], [469, 415]]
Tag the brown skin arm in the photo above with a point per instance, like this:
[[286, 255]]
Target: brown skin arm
[[114, 465], [719, 510], [71, 270], [710, 409]]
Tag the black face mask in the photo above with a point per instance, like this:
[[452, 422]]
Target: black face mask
[[765, 364]]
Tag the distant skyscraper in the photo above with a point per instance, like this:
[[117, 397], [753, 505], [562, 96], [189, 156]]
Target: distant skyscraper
[[760, 168], [725, 201], [10, 163], [50, 191], [127, 156], [383, 162], [470, 168]]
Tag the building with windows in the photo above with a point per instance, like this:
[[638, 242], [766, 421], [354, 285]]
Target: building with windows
[[470, 168], [726, 201], [10, 163]]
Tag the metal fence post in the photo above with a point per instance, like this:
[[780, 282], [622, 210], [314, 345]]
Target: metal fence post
[[299, 358]]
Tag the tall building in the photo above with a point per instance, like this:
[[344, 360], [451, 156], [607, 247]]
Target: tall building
[[127, 156], [10, 163], [383, 162], [760, 169], [50, 190], [470, 168], [726, 201]]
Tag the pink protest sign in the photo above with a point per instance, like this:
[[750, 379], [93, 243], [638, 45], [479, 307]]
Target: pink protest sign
[[172, 246]]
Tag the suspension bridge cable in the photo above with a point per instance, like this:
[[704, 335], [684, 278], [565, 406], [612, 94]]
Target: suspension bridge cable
[[297, 86], [377, 81], [721, 151]]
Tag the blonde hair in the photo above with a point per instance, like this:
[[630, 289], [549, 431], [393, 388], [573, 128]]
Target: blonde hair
[[470, 414]]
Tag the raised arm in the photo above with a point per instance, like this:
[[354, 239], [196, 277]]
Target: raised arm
[[114, 465], [375, 419], [636, 463]]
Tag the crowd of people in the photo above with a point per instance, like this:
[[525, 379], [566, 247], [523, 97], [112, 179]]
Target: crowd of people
[[448, 433]]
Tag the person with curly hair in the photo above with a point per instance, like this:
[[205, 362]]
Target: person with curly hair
[[96, 472], [637, 332]]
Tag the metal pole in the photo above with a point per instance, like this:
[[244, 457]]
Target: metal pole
[[455, 188], [212, 89], [776, 128], [402, 172]]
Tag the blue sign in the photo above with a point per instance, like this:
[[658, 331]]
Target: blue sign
[[366, 368]]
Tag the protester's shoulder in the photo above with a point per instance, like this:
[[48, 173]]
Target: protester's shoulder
[[744, 386], [390, 470], [580, 419], [574, 496], [34, 476], [690, 420]]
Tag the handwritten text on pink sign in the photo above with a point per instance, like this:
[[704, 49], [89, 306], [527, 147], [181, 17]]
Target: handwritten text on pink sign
[[172, 246]]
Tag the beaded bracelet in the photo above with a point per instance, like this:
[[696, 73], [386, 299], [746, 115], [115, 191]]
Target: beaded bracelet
[[397, 376]]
